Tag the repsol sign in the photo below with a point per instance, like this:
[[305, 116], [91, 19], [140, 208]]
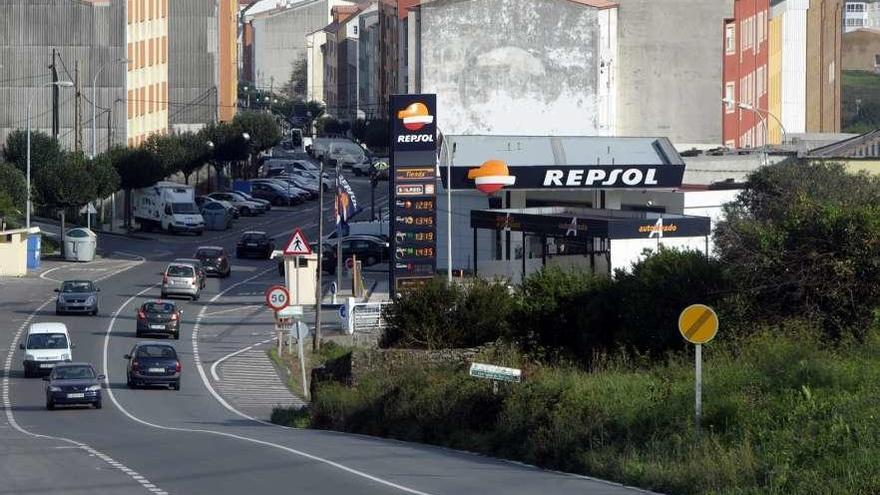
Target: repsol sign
[[415, 138], [543, 177]]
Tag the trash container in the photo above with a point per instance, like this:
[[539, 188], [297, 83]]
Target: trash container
[[80, 245], [34, 242], [215, 219]]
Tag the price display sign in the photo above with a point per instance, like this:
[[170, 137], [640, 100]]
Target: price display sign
[[413, 201]]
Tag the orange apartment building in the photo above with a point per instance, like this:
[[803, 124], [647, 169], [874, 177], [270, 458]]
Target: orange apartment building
[[147, 49]]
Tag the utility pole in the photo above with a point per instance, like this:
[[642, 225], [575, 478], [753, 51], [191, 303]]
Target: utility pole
[[77, 118], [55, 118], [339, 216], [316, 342]]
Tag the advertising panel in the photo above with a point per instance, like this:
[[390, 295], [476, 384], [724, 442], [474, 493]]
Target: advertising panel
[[413, 202]]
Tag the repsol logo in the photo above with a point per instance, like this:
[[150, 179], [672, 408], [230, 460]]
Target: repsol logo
[[415, 138], [598, 176]]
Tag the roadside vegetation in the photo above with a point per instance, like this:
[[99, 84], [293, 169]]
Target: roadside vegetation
[[790, 383]]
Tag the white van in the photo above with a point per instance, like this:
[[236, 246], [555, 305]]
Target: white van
[[45, 345], [168, 206]]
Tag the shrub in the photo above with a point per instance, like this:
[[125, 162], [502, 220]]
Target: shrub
[[441, 315]]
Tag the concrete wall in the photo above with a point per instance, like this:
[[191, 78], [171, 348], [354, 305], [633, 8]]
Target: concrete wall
[[670, 55], [860, 50], [92, 35], [193, 62], [280, 40], [534, 72]]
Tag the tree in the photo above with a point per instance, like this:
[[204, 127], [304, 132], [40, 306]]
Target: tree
[[44, 150], [169, 149], [137, 168], [104, 175], [230, 145], [802, 240], [12, 193], [195, 153], [67, 184], [263, 130], [296, 85]]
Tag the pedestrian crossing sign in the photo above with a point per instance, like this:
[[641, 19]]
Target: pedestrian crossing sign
[[297, 245]]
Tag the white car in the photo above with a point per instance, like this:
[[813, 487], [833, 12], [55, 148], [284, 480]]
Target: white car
[[245, 207], [46, 345]]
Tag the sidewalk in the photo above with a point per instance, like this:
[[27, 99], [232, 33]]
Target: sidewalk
[[375, 285]]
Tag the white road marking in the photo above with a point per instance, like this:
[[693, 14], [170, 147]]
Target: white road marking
[[230, 310], [7, 402], [220, 399], [224, 358]]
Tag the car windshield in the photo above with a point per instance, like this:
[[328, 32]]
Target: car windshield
[[47, 341], [183, 208], [77, 286], [156, 351], [157, 307], [73, 373], [209, 253], [180, 271]]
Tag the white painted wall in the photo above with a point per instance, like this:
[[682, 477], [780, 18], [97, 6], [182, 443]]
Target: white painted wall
[[794, 64]]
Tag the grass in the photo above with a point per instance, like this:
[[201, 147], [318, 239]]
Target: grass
[[49, 246], [783, 413]]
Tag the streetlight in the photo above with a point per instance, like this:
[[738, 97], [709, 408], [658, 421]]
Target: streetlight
[[95, 103], [756, 111], [248, 93], [60, 84]]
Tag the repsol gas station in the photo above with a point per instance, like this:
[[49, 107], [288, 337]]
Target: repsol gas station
[[506, 206]]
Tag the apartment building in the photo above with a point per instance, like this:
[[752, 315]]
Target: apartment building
[[745, 76], [147, 78]]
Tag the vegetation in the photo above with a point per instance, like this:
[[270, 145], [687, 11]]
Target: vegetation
[[860, 106], [12, 194], [782, 414]]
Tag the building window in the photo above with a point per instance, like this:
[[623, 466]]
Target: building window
[[855, 23], [729, 39], [729, 97], [855, 7]]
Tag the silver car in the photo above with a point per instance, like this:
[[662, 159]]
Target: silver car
[[181, 279], [77, 296]]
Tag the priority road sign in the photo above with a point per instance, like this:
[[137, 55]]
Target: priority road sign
[[277, 297], [297, 245], [698, 323]]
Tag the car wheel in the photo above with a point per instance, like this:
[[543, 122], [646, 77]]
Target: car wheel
[[371, 260], [58, 312], [246, 212], [176, 385], [237, 254], [164, 295], [50, 405], [137, 334], [199, 233], [27, 373], [98, 405], [177, 335], [129, 382], [95, 312]]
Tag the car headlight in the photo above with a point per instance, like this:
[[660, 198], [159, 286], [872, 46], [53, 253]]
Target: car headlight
[[90, 300], [65, 356], [29, 357], [53, 388], [93, 388]]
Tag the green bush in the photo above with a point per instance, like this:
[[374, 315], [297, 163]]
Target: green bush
[[782, 414], [440, 315]]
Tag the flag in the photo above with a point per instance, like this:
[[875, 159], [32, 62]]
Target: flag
[[346, 206]]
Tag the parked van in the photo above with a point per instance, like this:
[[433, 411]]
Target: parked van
[[168, 206], [321, 145], [347, 153], [45, 345]]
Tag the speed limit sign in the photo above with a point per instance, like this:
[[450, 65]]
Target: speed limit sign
[[277, 297]]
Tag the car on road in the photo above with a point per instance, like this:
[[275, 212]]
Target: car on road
[[158, 317], [200, 269], [214, 259], [152, 363], [73, 384], [274, 193], [254, 243], [77, 296], [245, 207], [46, 345], [266, 204], [368, 249], [181, 279], [289, 186]]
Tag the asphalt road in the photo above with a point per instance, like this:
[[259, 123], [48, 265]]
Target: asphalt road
[[192, 441]]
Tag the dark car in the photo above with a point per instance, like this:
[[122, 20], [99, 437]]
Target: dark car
[[159, 317], [153, 363], [366, 248], [274, 194], [77, 296], [214, 260], [254, 243], [73, 383], [200, 269]]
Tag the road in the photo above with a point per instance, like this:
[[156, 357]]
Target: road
[[195, 441]]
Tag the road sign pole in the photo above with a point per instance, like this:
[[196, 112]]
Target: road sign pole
[[698, 388], [302, 359]]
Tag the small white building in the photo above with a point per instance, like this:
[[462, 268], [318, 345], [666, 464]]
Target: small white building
[[855, 16]]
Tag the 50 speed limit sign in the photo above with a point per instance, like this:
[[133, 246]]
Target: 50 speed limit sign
[[277, 297]]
